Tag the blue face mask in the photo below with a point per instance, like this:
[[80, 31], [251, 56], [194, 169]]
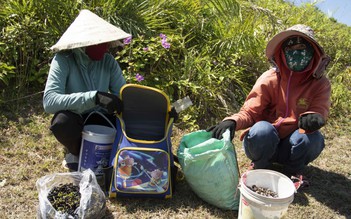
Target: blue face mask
[[298, 53]]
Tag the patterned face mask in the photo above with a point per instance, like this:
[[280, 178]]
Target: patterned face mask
[[298, 53]]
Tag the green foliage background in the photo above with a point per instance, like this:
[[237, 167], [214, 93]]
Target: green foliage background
[[216, 53]]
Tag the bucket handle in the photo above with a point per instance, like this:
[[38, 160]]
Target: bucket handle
[[102, 115]]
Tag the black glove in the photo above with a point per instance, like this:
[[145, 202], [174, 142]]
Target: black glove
[[173, 114], [311, 122], [220, 128], [109, 101]]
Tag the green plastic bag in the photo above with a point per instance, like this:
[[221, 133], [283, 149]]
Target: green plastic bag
[[210, 168]]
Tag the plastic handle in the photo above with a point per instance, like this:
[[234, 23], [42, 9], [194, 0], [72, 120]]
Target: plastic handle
[[103, 116]]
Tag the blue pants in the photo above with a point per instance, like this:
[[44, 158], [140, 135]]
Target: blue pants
[[263, 146]]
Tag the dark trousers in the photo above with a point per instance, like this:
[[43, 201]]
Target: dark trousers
[[67, 128]]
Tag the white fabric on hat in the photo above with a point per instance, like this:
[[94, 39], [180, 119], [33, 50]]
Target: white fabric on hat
[[88, 29], [303, 31], [296, 30]]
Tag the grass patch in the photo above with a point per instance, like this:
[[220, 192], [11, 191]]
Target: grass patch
[[29, 151]]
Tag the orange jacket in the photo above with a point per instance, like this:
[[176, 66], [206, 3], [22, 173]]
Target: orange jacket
[[280, 97]]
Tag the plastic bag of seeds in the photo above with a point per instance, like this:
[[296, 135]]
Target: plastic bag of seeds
[[210, 168], [92, 202]]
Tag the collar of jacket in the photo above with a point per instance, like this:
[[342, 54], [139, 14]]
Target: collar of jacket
[[81, 57]]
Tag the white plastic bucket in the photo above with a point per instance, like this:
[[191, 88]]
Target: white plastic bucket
[[96, 146], [254, 205]]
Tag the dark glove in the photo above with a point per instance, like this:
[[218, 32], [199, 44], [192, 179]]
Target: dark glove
[[109, 101], [220, 128], [311, 122], [173, 114]]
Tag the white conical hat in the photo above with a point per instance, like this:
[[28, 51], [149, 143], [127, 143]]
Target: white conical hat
[[86, 30]]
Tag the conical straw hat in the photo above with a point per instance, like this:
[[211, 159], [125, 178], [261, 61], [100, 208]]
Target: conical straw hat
[[88, 29]]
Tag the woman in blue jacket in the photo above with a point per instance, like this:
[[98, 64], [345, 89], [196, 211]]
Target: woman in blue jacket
[[83, 77]]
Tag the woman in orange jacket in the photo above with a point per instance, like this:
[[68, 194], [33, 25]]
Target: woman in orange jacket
[[287, 106]]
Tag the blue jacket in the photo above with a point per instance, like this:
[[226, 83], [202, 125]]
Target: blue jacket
[[74, 80]]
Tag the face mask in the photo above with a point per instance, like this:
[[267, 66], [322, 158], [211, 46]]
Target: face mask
[[298, 53], [96, 52]]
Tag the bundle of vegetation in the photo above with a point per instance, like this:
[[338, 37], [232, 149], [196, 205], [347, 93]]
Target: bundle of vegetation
[[65, 198]]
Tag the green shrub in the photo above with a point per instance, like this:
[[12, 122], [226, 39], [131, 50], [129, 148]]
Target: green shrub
[[216, 46], [341, 94]]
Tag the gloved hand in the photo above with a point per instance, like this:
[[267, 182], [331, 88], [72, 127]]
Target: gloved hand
[[109, 101], [220, 128], [311, 122], [173, 114]]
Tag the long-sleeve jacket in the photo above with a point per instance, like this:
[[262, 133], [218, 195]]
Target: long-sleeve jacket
[[74, 80], [281, 96]]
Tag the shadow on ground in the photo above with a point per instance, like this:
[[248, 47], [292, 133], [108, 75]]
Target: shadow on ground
[[184, 202], [330, 189]]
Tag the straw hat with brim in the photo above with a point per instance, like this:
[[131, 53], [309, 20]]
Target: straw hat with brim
[[296, 30], [88, 29]]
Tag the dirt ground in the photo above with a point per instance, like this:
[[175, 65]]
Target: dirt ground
[[28, 151]]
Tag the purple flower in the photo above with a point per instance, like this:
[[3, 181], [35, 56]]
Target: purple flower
[[163, 36], [127, 40], [166, 45], [146, 49], [164, 42], [139, 77]]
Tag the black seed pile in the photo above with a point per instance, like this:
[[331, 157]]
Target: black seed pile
[[263, 191], [65, 198]]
